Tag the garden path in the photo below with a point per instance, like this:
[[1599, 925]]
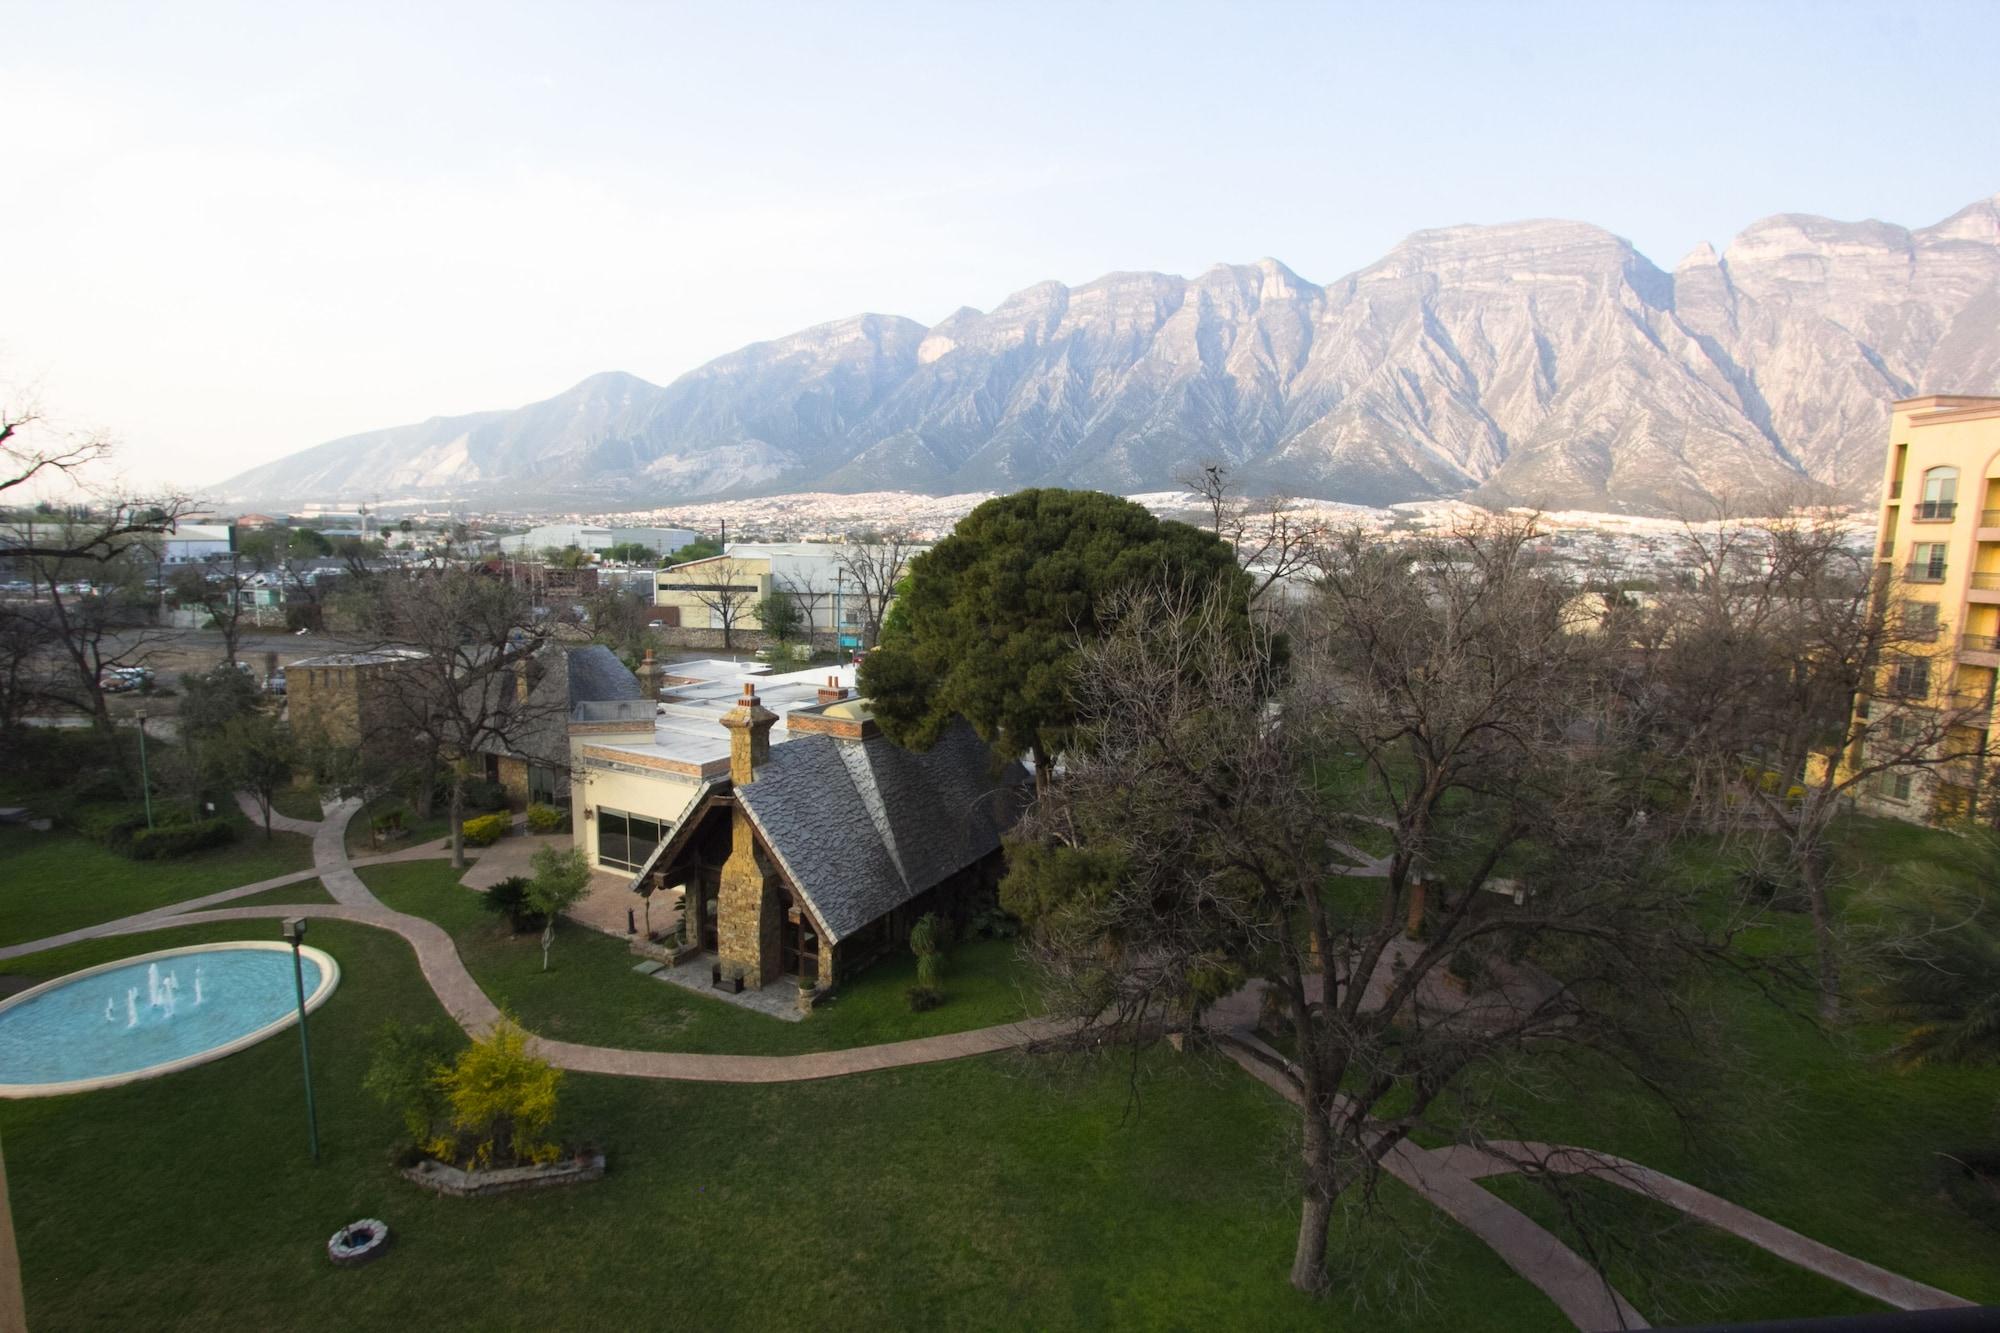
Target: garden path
[[1447, 1177]]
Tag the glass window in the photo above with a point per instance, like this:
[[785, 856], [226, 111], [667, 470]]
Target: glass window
[[625, 840], [1941, 485], [1927, 560]]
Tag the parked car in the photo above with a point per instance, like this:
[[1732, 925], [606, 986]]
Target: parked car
[[117, 680], [656, 624], [275, 683]]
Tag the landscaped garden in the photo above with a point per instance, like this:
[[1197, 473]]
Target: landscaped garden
[[591, 992], [1000, 1192], [995, 1191]]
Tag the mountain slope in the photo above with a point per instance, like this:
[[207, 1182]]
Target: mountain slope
[[1540, 361]]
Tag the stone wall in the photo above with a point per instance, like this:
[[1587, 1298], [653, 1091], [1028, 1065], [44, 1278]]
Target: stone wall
[[325, 703], [513, 777], [747, 922]]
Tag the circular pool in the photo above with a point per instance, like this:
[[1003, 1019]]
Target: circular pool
[[153, 1014]]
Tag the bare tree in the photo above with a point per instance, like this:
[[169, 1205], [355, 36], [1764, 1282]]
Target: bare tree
[[1272, 539], [729, 597], [1436, 700], [1788, 676], [808, 597], [872, 565], [96, 619], [464, 686], [103, 527], [218, 586]]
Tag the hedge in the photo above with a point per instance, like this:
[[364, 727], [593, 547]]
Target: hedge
[[485, 830], [546, 819], [169, 840]]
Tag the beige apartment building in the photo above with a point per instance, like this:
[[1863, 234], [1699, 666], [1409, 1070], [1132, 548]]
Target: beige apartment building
[[1940, 538], [726, 591]]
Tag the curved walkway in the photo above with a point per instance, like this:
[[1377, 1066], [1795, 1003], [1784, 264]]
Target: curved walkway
[[1447, 1177]]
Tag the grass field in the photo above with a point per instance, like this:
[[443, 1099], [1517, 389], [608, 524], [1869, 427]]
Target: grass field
[[992, 1193], [55, 882]]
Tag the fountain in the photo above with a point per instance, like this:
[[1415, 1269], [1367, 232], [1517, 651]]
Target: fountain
[[52, 1040]]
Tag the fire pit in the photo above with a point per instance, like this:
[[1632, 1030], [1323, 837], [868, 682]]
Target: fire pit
[[358, 1242]]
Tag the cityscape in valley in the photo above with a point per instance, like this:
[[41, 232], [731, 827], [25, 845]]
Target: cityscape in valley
[[1464, 794]]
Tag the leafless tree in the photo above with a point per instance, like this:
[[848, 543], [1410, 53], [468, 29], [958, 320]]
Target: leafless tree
[[873, 563], [464, 688], [1437, 702], [728, 590], [102, 526], [97, 620], [808, 596], [1788, 675], [218, 586], [1272, 539]]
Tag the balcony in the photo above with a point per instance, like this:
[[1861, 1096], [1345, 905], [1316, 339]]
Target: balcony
[[1979, 649], [1888, 549], [1934, 511], [1896, 489], [1933, 572], [1983, 588], [1989, 525], [1976, 700]]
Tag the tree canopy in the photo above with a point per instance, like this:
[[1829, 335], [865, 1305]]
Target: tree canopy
[[995, 614]]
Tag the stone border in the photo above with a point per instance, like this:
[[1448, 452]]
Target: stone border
[[460, 1183], [329, 978]]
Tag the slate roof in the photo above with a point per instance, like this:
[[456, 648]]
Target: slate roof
[[862, 827], [595, 674]]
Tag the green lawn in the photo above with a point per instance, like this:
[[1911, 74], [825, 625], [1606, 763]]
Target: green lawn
[[591, 993], [360, 831], [1001, 1192], [305, 891], [55, 882], [298, 802], [1810, 1127]]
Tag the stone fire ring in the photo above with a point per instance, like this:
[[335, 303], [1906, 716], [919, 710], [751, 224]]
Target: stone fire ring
[[358, 1242]]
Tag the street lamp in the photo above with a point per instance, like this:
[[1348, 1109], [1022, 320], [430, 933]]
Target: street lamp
[[295, 931], [145, 774]]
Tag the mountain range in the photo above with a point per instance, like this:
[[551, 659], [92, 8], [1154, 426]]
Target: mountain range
[[1542, 362]]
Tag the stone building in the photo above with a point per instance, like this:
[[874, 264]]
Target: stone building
[[343, 699], [809, 859], [562, 689]]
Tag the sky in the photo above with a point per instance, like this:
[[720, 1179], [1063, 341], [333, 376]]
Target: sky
[[231, 232]]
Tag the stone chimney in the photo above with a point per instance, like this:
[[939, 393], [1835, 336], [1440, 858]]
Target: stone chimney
[[749, 726], [649, 677], [832, 692]]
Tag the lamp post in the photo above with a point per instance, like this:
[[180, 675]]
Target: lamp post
[[145, 774], [295, 930]]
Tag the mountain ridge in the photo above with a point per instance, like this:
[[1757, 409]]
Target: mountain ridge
[[1544, 361]]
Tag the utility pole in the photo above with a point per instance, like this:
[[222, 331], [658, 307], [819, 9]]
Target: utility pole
[[295, 931]]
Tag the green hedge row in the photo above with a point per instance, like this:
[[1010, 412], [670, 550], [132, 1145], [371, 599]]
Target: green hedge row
[[122, 828]]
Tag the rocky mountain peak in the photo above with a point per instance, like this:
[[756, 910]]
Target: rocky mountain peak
[[1544, 361]]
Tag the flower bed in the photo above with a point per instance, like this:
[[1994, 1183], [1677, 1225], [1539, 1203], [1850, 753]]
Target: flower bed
[[463, 1184]]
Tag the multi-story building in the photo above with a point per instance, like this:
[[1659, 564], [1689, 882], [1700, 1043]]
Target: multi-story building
[[833, 603], [1940, 539]]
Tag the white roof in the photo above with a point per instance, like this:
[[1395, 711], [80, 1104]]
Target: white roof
[[689, 727]]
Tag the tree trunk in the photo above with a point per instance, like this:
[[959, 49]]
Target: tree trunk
[[1043, 777], [1309, 1260], [1813, 876], [456, 808], [548, 938]]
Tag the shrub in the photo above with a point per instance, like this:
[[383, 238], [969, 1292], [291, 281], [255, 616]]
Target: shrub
[[485, 830], [403, 1074], [484, 794], [926, 942], [389, 820], [546, 819], [923, 999], [994, 923], [510, 899], [501, 1101], [109, 825], [170, 840]]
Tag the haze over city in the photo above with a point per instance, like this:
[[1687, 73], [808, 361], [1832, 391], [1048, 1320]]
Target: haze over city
[[240, 232]]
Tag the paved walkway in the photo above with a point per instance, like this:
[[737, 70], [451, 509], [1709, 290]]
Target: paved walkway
[[282, 822], [1447, 1177]]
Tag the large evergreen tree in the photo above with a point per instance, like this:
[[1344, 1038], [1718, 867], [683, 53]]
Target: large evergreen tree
[[994, 616]]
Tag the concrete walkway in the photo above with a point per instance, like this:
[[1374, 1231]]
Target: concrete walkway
[[1447, 1177], [280, 822]]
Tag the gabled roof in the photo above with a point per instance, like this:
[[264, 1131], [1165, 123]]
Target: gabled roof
[[863, 826]]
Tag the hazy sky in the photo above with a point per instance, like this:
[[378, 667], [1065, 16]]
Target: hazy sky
[[231, 232]]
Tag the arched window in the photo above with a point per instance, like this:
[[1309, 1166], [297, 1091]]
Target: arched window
[[1940, 493]]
